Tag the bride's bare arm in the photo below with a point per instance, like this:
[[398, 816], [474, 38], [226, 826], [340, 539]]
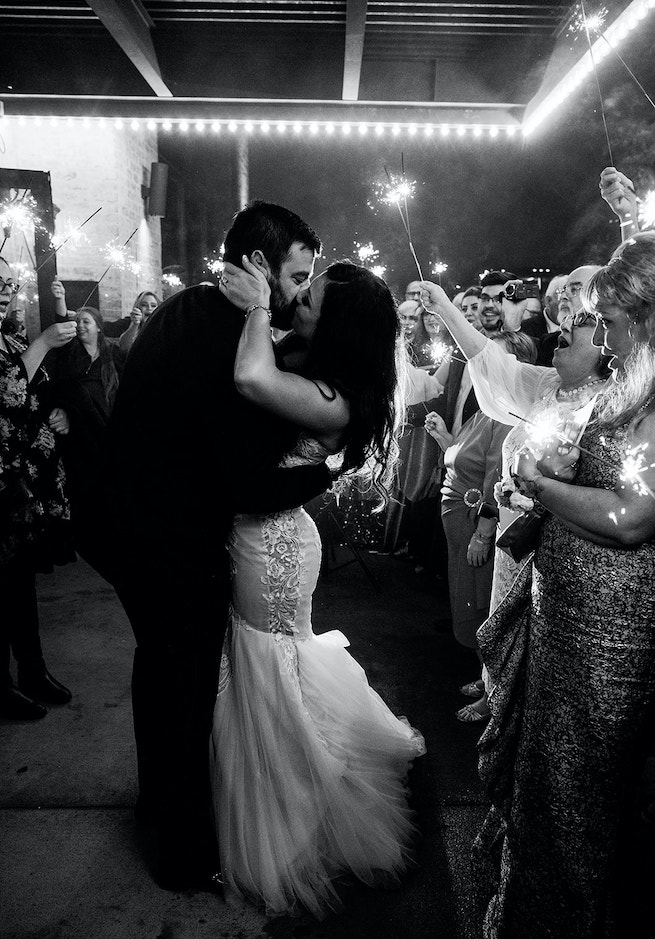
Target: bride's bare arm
[[313, 406]]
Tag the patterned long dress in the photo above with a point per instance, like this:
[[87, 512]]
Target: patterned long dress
[[571, 657]]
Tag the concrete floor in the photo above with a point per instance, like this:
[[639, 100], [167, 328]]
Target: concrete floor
[[70, 861]]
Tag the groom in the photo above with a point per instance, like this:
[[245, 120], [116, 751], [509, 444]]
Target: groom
[[186, 454]]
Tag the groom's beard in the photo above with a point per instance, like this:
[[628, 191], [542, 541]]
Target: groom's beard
[[282, 310]]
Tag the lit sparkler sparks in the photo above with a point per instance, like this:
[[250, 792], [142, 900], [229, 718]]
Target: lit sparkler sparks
[[593, 22], [440, 351], [545, 428], [633, 465], [172, 280], [366, 253], [398, 191], [19, 214], [379, 270], [647, 210], [116, 255], [70, 231], [215, 264]]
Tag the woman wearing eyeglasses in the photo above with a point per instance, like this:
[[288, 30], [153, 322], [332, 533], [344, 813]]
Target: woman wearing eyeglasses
[[571, 649], [310, 766], [33, 511]]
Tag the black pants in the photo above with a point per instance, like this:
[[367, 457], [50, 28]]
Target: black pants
[[19, 620], [179, 620]]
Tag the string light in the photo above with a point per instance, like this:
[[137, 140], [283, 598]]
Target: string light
[[347, 128]]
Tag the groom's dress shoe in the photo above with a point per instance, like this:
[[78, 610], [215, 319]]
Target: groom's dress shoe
[[15, 706], [43, 687]]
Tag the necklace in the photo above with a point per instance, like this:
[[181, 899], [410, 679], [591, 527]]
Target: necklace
[[574, 391]]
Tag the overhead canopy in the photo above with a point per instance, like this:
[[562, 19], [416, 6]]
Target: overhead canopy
[[473, 62]]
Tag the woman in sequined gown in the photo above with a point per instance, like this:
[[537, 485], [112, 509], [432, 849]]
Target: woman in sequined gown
[[562, 755], [309, 765], [570, 652]]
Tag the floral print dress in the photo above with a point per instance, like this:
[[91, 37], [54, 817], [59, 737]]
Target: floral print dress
[[34, 510]]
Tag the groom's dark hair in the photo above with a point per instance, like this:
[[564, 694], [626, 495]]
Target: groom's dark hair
[[270, 228]]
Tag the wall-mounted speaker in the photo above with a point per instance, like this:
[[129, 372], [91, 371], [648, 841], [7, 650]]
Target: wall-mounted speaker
[[157, 190]]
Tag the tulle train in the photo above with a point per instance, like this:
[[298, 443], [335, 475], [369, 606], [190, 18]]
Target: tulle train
[[310, 771]]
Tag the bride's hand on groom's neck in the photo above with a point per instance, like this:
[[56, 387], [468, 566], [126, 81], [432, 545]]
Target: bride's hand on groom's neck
[[245, 285]]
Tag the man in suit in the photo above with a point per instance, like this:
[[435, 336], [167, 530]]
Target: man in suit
[[186, 454]]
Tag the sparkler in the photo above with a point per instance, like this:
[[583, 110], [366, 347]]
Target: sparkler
[[399, 190], [633, 466], [439, 268], [70, 231], [439, 351], [545, 431], [20, 215], [366, 253], [215, 264], [54, 251], [595, 23], [379, 270], [647, 210], [581, 23], [115, 251], [587, 28], [172, 280]]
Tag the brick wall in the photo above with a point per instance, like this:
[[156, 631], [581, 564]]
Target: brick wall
[[91, 167]]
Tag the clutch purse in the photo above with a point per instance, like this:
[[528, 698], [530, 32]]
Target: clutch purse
[[521, 535]]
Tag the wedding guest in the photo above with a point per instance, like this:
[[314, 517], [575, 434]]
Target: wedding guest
[[472, 459], [491, 298], [413, 291], [406, 530], [471, 306], [516, 393], [145, 303], [571, 650], [569, 301], [144, 306], [417, 340], [85, 378], [457, 299], [33, 512]]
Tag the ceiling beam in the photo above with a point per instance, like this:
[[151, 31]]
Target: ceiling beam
[[130, 25], [354, 51]]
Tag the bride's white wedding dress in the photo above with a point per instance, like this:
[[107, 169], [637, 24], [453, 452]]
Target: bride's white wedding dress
[[309, 765]]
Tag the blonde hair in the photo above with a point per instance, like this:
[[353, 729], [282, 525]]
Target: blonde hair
[[628, 282]]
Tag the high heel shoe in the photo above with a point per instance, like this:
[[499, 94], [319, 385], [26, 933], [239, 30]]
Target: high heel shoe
[[474, 689], [469, 715]]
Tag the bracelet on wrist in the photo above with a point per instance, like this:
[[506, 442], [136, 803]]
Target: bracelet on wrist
[[485, 539], [258, 306]]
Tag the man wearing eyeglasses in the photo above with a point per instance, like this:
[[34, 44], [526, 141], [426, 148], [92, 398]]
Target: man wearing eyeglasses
[[569, 302], [490, 309]]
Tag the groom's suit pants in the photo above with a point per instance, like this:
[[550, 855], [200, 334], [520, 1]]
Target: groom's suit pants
[[179, 619]]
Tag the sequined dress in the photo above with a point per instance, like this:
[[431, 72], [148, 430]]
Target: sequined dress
[[571, 657], [309, 765]]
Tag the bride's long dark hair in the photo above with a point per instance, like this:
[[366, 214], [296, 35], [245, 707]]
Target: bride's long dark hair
[[357, 349]]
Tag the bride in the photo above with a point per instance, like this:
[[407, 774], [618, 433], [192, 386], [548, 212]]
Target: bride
[[309, 766]]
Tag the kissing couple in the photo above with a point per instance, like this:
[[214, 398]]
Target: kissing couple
[[262, 750]]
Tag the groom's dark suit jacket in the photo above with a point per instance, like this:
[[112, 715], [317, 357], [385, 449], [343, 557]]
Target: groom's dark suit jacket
[[186, 451]]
